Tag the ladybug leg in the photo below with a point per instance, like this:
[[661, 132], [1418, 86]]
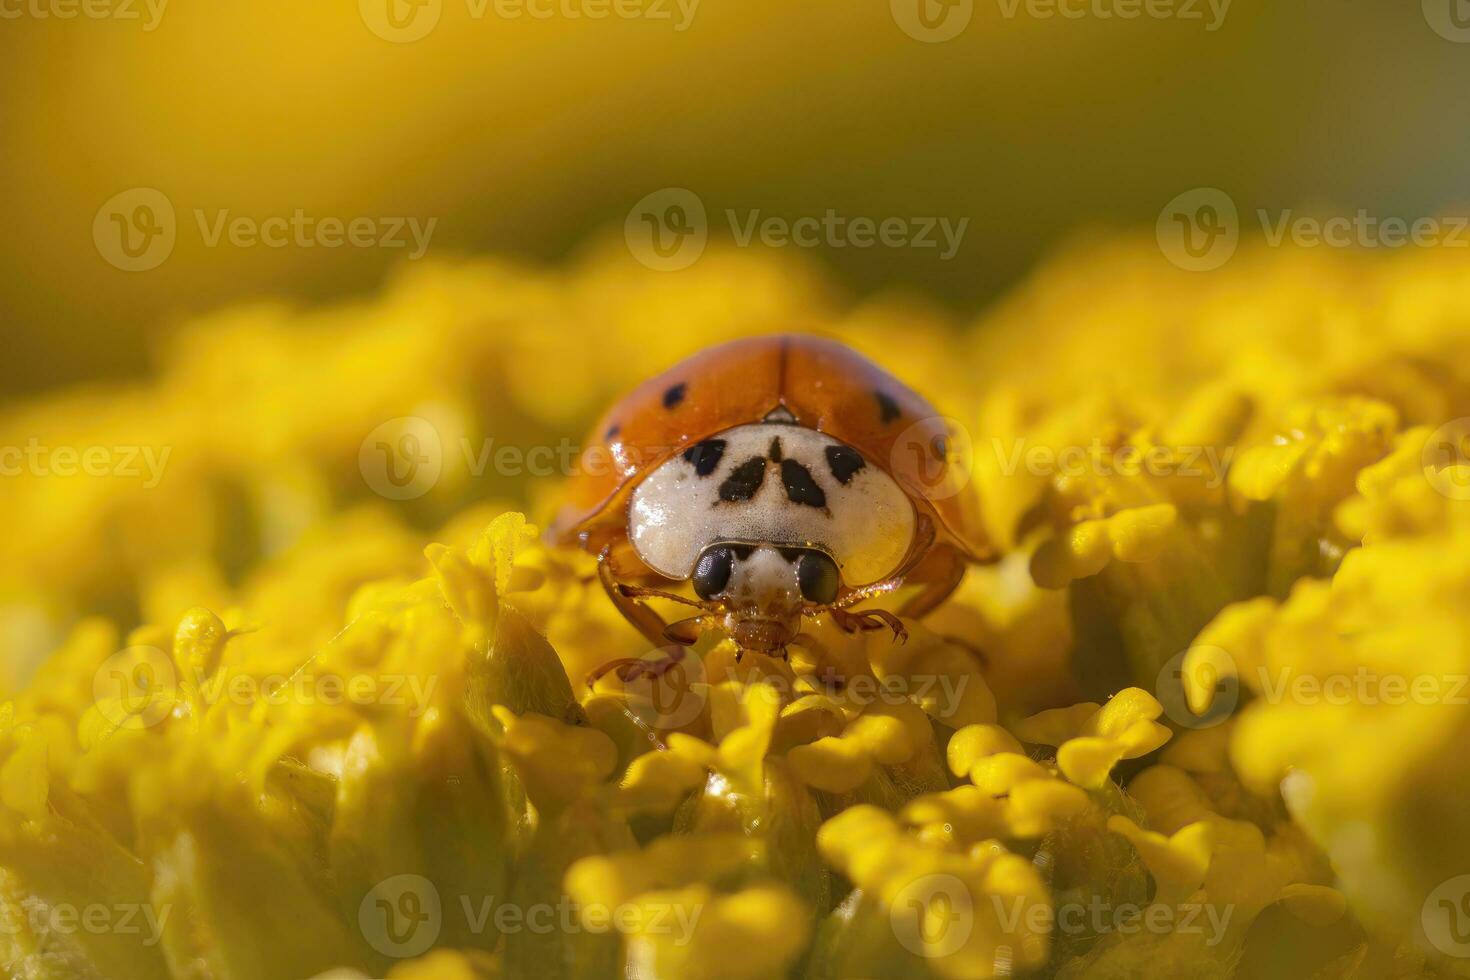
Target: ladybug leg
[[644, 619], [869, 591], [686, 631], [870, 619], [631, 668], [642, 592], [939, 573]]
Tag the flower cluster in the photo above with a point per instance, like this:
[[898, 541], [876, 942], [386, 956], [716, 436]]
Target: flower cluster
[[1200, 720]]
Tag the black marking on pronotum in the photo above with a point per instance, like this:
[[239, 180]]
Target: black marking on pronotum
[[791, 554], [743, 551], [745, 481], [844, 461], [780, 415], [800, 487], [674, 395], [775, 454], [705, 456], [887, 407]]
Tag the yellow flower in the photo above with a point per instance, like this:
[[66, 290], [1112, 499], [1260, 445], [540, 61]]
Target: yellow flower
[[1091, 739], [311, 690]]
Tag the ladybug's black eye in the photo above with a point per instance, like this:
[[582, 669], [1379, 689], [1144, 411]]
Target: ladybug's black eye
[[817, 575], [712, 573]]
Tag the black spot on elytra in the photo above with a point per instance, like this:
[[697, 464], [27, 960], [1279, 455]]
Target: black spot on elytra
[[844, 461], [612, 432], [887, 407], [705, 456], [800, 487], [674, 395], [744, 482], [775, 453]]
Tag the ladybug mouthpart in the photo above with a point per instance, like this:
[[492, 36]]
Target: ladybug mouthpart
[[768, 636]]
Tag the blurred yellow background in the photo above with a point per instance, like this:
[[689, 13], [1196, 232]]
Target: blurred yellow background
[[523, 135]]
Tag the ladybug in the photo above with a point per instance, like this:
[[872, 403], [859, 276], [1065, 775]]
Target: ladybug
[[783, 477]]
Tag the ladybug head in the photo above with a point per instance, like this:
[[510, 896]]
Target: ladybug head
[[765, 589]]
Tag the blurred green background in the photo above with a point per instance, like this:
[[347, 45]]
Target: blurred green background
[[526, 136]]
